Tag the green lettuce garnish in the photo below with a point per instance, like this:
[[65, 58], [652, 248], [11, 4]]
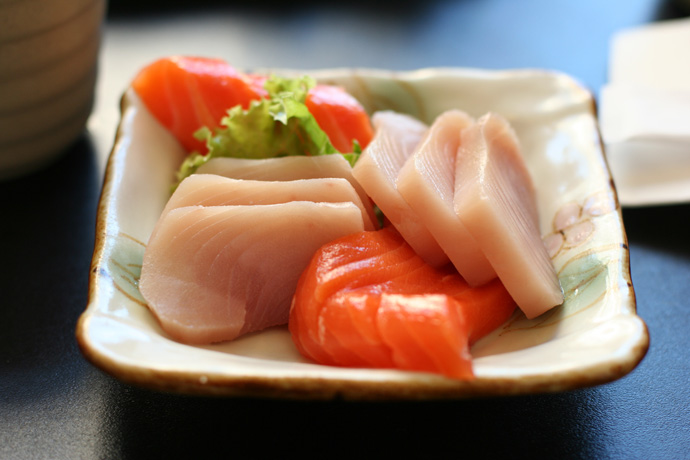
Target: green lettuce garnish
[[279, 125]]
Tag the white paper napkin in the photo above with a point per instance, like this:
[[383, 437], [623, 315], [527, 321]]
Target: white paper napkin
[[644, 113]]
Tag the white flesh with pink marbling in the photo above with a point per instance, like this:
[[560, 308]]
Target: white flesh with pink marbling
[[496, 201], [214, 190], [396, 137], [427, 183]]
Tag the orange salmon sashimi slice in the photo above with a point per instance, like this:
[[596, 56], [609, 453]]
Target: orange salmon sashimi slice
[[341, 117], [425, 332], [368, 300], [188, 93]]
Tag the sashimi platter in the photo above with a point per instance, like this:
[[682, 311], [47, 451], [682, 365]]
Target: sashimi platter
[[359, 234]]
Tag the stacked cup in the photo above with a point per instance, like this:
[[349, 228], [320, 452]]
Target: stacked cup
[[48, 63]]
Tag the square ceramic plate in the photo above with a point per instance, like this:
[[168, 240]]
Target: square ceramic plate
[[594, 337]]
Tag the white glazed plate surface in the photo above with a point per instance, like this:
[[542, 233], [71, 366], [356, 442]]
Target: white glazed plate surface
[[595, 337]]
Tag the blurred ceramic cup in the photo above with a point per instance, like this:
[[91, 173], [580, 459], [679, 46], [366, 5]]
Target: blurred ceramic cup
[[48, 63]]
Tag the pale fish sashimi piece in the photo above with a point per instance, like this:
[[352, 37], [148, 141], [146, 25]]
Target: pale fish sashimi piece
[[214, 190], [288, 168], [214, 273], [395, 138], [495, 198], [427, 183]]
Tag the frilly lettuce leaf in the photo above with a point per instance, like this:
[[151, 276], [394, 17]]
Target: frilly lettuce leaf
[[279, 125]]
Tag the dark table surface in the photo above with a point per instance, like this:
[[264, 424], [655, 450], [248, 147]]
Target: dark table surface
[[54, 404]]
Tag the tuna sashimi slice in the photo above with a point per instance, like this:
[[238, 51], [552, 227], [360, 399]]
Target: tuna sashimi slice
[[214, 273], [214, 190], [288, 168], [494, 197], [427, 183], [396, 136]]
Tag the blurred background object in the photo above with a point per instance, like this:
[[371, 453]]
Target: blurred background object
[[683, 6], [644, 110], [48, 68]]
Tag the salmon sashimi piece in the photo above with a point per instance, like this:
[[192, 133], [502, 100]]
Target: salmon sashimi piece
[[495, 199], [368, 300], [289, 168], [214, 190], [340, 116], [342, 265], [214, 273], [187, 93], [367, 328], [426, 333], [360, 344], [396, 137], [427, 183]]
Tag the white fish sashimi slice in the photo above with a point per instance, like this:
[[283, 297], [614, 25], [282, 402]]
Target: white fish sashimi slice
[[396, 136], [288, 168], [214, 190], [494, 197], [427, 183], [213, 273]]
